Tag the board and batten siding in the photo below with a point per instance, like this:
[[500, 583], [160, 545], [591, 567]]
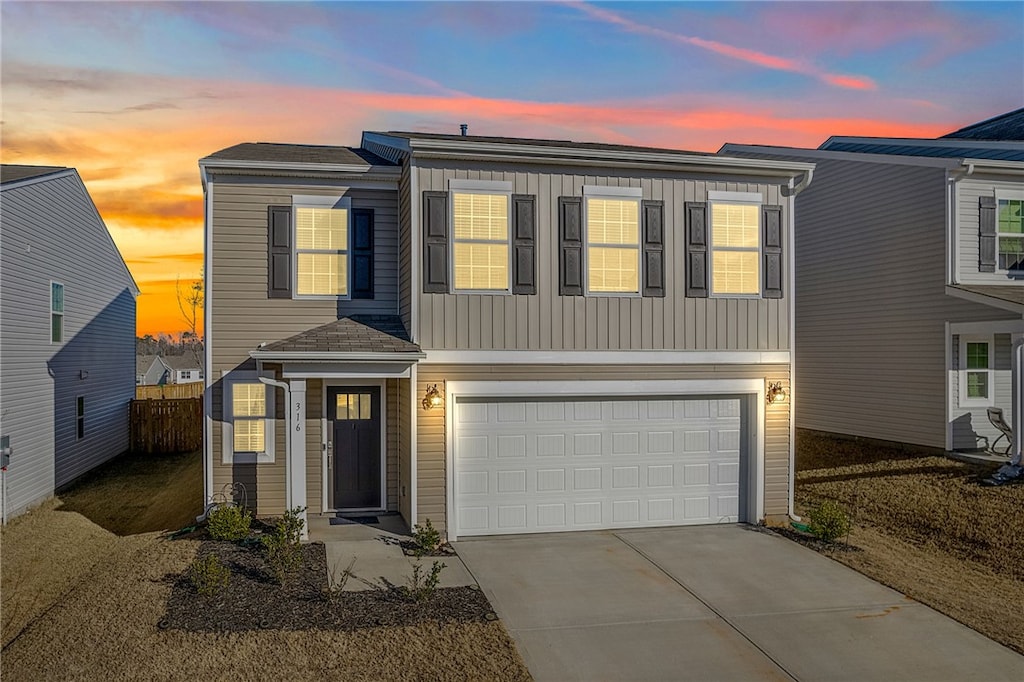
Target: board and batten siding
[[970, 425], [405, 287], [547, 321], [969, 190], [431, 459], [51, 232], [871, 306]]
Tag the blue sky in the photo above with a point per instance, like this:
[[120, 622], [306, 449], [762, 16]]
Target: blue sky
[[134, 94]]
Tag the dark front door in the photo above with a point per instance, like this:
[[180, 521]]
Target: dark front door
[[354, 413]]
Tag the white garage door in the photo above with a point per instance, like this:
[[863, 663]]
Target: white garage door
[[534, 465]]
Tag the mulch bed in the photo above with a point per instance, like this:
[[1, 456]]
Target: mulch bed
[[254, 601]]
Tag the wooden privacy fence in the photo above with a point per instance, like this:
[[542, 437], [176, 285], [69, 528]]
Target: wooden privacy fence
[[167, 426], [193, 390]]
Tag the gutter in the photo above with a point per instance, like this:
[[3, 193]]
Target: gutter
[[213, 162], [287, 429]]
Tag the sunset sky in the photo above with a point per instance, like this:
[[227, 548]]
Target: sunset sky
[[133, 95]]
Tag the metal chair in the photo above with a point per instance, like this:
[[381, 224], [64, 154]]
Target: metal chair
[[995, 416]]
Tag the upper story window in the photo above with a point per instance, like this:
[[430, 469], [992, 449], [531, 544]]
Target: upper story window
[[480, 240], [56, 312], [613, 244], [322, 250], [1010, 234], [735, 248]]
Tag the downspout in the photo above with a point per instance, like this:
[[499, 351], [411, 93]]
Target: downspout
[[1017, 423], [288, 429], [792, 191]]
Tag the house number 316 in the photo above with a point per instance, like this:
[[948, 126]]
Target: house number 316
[[298, 416]]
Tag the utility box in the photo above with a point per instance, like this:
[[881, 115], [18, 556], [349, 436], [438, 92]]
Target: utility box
[[5, 452]]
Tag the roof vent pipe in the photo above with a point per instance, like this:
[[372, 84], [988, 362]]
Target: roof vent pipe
[[464, 127]]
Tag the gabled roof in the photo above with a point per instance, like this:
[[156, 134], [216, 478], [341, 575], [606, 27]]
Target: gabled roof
[[144, 362], [1008, 126], [178, 362], [356, 335], [13, 173], [298, 153], [940, 148]]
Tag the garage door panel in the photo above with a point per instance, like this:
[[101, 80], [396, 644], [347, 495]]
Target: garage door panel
[[543, 465]]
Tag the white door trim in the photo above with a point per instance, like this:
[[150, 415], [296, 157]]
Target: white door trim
[[325, 478], [510, 389]]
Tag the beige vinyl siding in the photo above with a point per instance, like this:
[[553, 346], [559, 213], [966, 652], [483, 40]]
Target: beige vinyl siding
[[431, 446], [969, 190], [871, 306], [547, 321], [971, 427]]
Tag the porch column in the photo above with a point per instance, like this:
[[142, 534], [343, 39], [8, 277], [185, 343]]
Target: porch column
[[297, 452], [1017, 406]]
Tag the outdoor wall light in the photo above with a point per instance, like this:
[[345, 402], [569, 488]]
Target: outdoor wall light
[[433, 398], [774, 392]]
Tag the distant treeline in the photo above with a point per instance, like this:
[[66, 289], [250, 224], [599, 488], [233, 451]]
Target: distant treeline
[[168, 344]]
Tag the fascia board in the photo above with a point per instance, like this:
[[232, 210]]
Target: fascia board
[[925, 142], [360, 169], [314, 356]]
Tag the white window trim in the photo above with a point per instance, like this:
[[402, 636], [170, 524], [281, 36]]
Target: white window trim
[[228, 454], [1006, 195], [49, 317], [314, 201], [748, 198], [963, 370], [479, 187], [615, 194]]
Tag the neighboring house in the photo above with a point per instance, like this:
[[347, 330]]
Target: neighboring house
[[910, 285], [67, 333], [183, 369], [600, 323], [157, 370]]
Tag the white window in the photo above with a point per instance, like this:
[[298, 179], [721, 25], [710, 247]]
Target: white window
[[322, 233], [186, 374], [248, 420], [613, 240], [976, 371], [481, 236], [56, 312], [735, 248], [1010, 234]]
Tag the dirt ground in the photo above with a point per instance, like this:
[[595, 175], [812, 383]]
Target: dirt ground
[[101, 622], [926, 528]]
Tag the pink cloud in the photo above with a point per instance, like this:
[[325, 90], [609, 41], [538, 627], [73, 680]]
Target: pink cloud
[[755, 57]]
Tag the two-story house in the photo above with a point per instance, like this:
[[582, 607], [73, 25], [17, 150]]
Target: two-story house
[[502, 335], [910, 285], [67, 334]]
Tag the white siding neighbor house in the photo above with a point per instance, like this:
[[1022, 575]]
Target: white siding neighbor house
[[910, 285], [67, 334]]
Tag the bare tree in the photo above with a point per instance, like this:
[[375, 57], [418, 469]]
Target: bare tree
[[191, 298]]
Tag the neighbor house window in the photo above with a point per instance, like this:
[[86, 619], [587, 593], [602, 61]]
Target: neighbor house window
[[56, 312], [480, 241], [80, 417], [735, 249], [613, 244], [975, 371], [1010, 226], [249, 412], [322, 250]]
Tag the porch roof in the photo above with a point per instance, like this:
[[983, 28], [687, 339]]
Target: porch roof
[[355, 337], [1004, 296]]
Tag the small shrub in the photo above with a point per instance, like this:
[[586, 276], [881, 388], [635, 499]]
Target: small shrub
[[282, 546], [420, 587], [336, 585], [828, 521], [427, 538], [208, 575], [229, 522]]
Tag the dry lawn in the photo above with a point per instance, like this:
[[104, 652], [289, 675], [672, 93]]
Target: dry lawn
[[105, 625], [926, 528]]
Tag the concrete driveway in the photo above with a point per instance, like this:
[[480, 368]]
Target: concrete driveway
[[714, 603]]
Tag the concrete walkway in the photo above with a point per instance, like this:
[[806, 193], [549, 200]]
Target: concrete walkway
[[714, 603]]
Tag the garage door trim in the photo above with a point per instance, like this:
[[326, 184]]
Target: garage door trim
[[454, 390]]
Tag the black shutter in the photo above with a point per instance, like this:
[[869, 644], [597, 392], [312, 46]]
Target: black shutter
[[435, 242], [279, 252], [696, 249], [654, 248], [986, 234], [524, 268], [772, 249], [362, 253], [570, 241]]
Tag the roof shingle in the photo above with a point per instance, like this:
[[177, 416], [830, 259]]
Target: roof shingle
[[299, 153], [13, 173], [355, 334]]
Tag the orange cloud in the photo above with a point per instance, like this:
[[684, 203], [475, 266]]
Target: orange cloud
[[743, 54]]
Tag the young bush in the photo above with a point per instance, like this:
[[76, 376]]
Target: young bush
[[229, 522], [281, 545], [828, 521], [208, 575], [420, 587], [427, 538]]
